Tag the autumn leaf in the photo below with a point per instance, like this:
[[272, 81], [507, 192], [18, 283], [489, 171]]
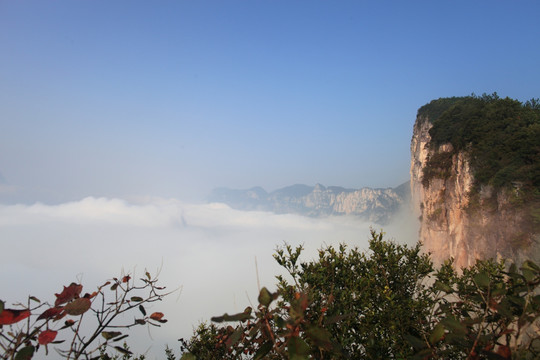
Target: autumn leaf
[[69, 293], [126, 278], [90, 296], [156, 316], [47, 336], [504, 351], [78, 306], [68, 323], [10, 316], [52, 312]]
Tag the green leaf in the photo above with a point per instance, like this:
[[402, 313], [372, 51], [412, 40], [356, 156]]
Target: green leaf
[[108, 335], [512, 269], [26, 353], [121, 338], [321, 337], [35, 299], [481, 279], [437, 334], [422, 354], [527, 264], [246, 315], [442, 287], [414, 341], [1, 306], [335, 319], [78, 306], [234, 337], [188, 356], [136, 298], [265, 297], [280, 323], [141, 308], [122, 350], [528, 274], [519, 301], [298, 349], [454, 326], [263, 350]]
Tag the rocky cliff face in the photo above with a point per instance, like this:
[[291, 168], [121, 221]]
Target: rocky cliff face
[[374, 205], [456, 223]]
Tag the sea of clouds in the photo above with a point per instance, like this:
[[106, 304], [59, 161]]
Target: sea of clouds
[[213, 256]]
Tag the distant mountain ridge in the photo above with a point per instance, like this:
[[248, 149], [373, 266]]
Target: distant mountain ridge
[[374, 205]]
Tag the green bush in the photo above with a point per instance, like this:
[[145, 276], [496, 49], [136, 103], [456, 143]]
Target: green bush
[[389, 303]]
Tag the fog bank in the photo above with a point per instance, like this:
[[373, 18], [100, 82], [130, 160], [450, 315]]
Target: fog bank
[[206, 251]]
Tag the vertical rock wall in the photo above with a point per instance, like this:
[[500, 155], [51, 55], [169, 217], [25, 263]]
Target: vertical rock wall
[[452, 226]]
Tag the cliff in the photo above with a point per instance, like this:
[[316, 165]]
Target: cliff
[[461, 216], [374, 205]]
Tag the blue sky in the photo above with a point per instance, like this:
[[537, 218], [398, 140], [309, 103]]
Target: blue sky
[[173, 98]]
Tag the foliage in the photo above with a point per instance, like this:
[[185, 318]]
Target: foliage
[[30, 329], [501, 137], [388, 300], [487, 312], [269, 332], [389, 303], [438, 166]]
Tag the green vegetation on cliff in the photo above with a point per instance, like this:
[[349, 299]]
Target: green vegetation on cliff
[[501, 137]]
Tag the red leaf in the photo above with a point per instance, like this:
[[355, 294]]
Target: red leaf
[[156, 316], [10, 316], [126, 278], [69, 293], [49, 313], [78, 306], [90, 296], [504, 351], [47, 336]]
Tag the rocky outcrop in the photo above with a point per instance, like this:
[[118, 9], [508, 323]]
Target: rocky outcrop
[[458, 222], [374, 205]]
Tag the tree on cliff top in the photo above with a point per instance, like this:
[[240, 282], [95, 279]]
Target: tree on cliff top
[[501, 137]]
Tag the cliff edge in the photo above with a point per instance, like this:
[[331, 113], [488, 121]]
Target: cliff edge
[[475, 165]]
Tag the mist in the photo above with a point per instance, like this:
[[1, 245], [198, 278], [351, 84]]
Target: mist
[[206, 252]]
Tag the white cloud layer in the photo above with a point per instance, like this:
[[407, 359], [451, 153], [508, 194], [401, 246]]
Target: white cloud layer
[[208, 250]]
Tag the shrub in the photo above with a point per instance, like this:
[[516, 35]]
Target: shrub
[[389, 303], [32, 328]]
